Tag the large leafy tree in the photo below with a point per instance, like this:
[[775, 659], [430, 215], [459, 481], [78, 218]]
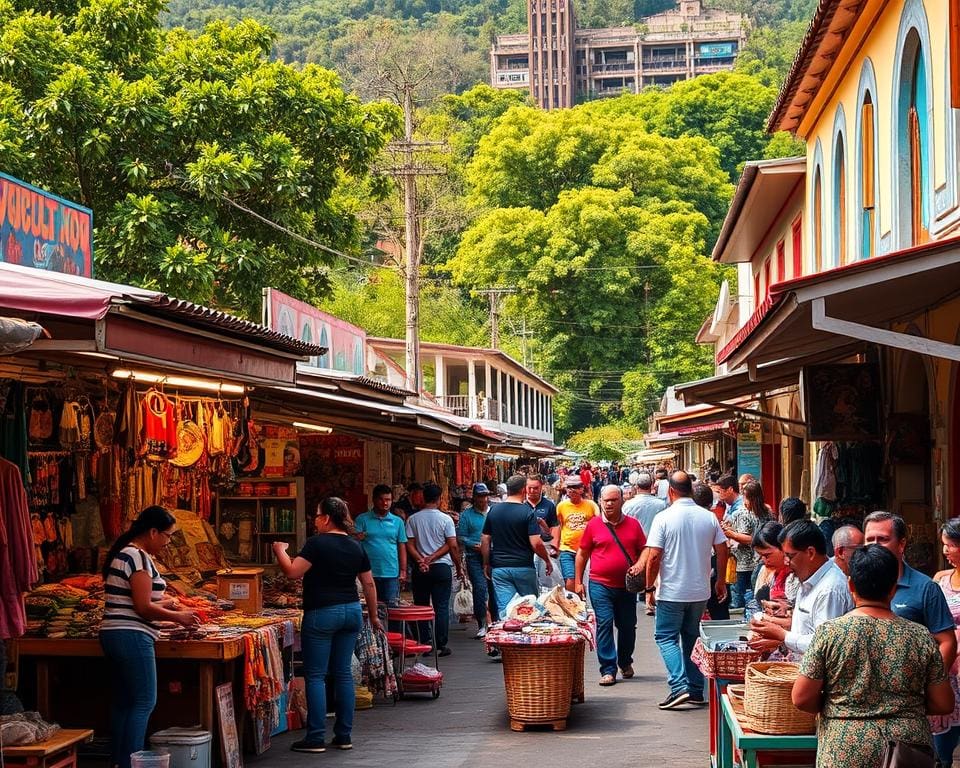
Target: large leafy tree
[[186, 147]]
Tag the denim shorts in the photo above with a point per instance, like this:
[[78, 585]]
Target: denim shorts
[[568, 565]]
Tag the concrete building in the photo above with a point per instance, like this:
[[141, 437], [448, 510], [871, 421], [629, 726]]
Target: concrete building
[[561, 65]]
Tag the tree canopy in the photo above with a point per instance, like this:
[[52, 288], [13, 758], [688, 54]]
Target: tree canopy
[[182, 144]]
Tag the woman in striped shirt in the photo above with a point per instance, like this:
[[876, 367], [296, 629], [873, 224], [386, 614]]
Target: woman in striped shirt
[[135, 599]]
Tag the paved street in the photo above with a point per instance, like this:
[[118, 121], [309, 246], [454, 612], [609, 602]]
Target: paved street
[[468, 723]]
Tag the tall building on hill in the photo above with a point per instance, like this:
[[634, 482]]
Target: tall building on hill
[[561, 65]]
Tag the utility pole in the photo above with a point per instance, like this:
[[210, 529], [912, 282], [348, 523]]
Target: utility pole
[[408, 171], [494, 295]]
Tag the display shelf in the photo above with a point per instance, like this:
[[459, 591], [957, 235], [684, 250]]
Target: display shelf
[[243, 522]]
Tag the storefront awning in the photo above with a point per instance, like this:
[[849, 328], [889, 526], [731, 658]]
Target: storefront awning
[[840, 309]]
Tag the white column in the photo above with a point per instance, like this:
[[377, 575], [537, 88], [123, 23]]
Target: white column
[[472, 388], [440, 378], [488, 390], [517, 409]]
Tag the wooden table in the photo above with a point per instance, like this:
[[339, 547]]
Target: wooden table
[[208, 654], [60, 751], [734, 738]]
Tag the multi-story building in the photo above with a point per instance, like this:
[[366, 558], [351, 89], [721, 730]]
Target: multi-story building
[[560, 64], [844, 328]]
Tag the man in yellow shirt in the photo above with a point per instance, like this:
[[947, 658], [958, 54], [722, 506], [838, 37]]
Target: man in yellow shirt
[[573, 513]]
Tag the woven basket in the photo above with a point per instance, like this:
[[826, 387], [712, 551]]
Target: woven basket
[[539, 680], [767, 704], [727, 665], [577, 693]]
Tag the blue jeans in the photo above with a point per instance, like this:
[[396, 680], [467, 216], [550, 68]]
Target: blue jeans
[[388, 589], [944, 745], [741, 591], [328, 639], [677, 629], [433, 588], [133, 665], [614, 608], [568, 564], [510, 582], [483, 595]]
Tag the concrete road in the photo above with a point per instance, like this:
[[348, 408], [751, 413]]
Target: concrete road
[[468, 724]]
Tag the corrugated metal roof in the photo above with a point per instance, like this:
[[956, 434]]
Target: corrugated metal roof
[[221, 322]]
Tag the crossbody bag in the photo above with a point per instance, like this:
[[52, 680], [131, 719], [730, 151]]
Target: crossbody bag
[[631, 583]]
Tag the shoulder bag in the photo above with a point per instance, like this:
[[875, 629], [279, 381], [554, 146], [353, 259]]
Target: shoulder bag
[[631, 583], [901, 754]]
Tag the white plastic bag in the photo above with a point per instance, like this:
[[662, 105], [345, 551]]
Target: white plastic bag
[[463, 600]]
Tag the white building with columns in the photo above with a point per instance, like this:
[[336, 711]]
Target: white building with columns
[[486, 386]]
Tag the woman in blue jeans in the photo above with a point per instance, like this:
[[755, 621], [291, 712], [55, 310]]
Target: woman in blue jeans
[[135, 599], [330, 564]]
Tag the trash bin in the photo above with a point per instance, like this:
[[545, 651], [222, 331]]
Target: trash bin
[[188, 747], [148, 758]]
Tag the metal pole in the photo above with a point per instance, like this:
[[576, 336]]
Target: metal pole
[[413, 249], [494, 320]]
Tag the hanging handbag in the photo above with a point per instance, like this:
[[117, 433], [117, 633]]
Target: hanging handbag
[[902, 754], [632, 583]]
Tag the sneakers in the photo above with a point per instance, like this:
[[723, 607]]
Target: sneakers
[[481, 633], [494, 653], [339, 743], [674, 700], [697, 700], [606, 680], [627, 672], [444, 652], [311, 747]]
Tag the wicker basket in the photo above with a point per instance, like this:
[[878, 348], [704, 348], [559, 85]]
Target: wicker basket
[[539, 681], [767, 705], [727, 665]]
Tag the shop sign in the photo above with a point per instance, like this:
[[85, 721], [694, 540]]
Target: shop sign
[[346, 343], [41, 230], [749, 445]]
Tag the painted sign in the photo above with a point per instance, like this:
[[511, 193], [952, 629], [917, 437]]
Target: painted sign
[[716, 50], [346, 343], [749, 448], [41, 230]]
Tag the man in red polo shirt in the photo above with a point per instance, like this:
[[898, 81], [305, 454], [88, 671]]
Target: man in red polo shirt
[[612, 542]]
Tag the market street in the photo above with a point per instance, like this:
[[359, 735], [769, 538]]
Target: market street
[[468, 724]]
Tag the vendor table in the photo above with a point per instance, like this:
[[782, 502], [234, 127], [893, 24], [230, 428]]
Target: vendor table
[[59, 751], [209, 655], [751, 745]]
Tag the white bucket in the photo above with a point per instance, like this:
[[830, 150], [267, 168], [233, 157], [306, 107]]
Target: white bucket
[[188, 747]]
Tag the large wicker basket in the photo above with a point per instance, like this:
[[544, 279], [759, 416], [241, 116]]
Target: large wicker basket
[[767, 705], [539, 681], [728, 665], [577, 693]]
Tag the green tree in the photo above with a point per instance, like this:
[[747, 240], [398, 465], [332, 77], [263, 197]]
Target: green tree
[[179, 142], [609, 442], [770, 51]]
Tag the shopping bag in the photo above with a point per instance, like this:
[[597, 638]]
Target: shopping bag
[[463, 600], [731, 571]]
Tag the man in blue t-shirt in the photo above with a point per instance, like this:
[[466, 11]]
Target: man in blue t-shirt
[[383, 537], [918, 598], [546, 512], [511, 536]]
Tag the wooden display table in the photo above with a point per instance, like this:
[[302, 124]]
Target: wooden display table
[[210, 656], [60, 751], [753, 746]]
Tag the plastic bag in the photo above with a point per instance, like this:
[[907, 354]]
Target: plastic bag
[[463, 600], [524, 608], [555, 579]]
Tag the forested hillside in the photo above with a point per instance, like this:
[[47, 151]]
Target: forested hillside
[[319, 31]]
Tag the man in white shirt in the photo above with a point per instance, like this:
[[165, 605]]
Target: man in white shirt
[[644, 507], [823, 594], [682, 539]]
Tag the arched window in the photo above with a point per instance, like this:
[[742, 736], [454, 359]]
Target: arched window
[[913, 144], [324, 360], [868, 169], [817, 221], [839, 203]]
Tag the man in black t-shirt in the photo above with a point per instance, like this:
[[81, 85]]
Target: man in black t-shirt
[[512, 529]]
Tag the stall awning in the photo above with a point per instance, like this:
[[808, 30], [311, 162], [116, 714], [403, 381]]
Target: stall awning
[[842, 308]]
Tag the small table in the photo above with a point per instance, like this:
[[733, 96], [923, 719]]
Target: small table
[[60, 751], [733, 737]]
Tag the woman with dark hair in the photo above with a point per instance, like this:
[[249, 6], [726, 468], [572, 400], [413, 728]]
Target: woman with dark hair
[[330, 564], [135, 599], [739, 529], [871, 675], [771, 583], [946, 728]]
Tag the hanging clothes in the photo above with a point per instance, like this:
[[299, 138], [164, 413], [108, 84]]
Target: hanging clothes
[[18, 560], [826, 487], [158, 427], [13, 426]]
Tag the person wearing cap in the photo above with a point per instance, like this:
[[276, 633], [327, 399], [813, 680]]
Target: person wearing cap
[[469, 532], [573, 514]]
